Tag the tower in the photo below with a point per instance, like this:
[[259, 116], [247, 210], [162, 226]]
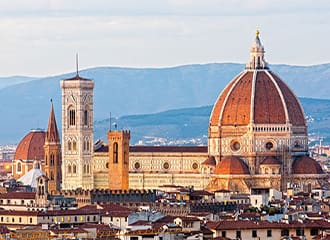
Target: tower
[[77, 132], [118, 159], [42, 192], [52, 148]]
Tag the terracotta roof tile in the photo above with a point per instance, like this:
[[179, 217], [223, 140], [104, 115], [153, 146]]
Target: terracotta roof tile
[[270, 161], [268, 106], [31, 147], [210, 160], [231, 165], [306, 165]]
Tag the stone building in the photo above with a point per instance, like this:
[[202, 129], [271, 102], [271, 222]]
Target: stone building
[[39, 153], [257, 140], [77, 133]]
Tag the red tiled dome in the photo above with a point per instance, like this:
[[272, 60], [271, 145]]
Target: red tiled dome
[[257, 96], [306, 165], [270, 161], [31, 147], [231, 165], [210, 161]]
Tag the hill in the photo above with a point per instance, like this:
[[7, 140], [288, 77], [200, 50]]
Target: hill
[[127, 91], [190, 126]]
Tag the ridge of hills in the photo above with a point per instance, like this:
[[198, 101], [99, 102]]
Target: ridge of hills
[[131, 91], [189, 126]]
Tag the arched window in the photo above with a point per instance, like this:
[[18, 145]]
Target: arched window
[[51, 159], [51, 176], [85, 119], [69, 169], [85, 168], [74, 169], [87, 145], [115, 152], [69, 145], [84, 145], [72, 116], [19, 167], [74, 145]]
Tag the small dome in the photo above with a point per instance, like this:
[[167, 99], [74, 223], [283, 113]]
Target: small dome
[[31, 146], [231, 165], [270, 161], [306, 165], [210, 161]]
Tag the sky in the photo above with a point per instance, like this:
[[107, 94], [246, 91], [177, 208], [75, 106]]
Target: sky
[[42, 37]]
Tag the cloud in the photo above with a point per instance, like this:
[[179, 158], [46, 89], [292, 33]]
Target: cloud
[[41, 37], [61, 8]]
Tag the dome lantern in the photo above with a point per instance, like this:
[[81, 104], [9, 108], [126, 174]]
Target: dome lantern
[[257, 52]]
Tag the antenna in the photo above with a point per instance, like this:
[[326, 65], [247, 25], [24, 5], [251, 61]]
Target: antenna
[[110, 122], [77, 64]]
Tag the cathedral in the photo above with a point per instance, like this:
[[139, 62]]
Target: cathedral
[[257, 140]]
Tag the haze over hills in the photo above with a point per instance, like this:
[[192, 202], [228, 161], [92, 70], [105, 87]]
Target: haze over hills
[[127, 91], [189, 126]]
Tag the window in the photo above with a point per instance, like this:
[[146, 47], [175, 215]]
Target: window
[[69, 169], [74, 168], [137, 165], [85, 168], [51, 176], [269, 233], [20, 219], [314, 232], [223, 234], [166, 165], [69, 145], [19, 167], [235, 146], [300, 232], [238, 234], [51, 159], [72, 117], [254, 233], [30, 220], [86, 117], [115, 152], [269, 145], [74, 145]]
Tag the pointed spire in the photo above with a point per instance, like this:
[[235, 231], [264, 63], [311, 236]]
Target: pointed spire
[[257, 52], [52, 131]]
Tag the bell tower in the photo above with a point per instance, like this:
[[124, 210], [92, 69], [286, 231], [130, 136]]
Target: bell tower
[[77, 133], [52, 148], [118, 159]]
